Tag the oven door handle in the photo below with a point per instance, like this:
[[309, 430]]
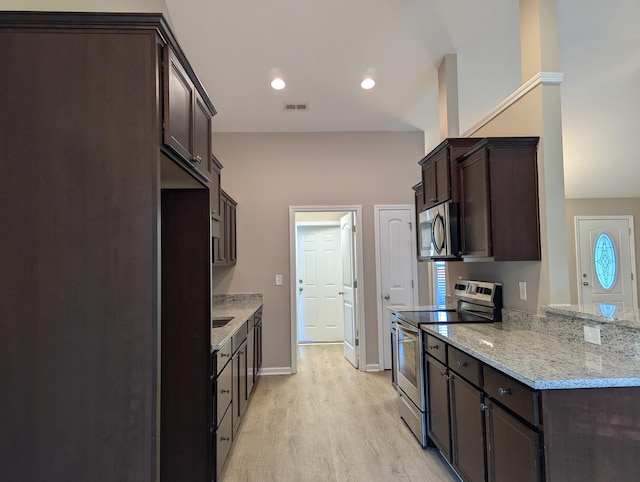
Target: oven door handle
[[408, 328]]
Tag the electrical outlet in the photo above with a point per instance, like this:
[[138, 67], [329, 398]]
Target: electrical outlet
[[523, 290], [592, 335], [278, 280]]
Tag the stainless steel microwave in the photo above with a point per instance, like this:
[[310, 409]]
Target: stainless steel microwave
[[439, 232]]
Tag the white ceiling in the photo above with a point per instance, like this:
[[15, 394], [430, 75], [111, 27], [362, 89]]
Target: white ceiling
[[324, 48]]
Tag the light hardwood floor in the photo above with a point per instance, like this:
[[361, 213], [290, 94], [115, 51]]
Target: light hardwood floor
[[328, 422]]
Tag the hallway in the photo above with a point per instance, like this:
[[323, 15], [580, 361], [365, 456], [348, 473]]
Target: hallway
[[328, 422]]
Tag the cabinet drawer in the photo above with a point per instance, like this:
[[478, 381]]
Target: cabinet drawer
[[222, 442], [436, 348], [238, 338], [465, 365], [222, 357], [223, 392], [520, 399]]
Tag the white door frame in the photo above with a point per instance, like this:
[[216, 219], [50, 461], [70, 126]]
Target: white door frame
[[632, 252], [382, 335], [357, 210]]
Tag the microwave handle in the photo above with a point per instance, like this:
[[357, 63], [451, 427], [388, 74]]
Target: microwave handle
[[438, 217]]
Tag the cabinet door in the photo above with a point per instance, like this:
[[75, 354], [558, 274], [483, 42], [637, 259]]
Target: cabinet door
[[242, 378], [258, 354], [178, 106], [219, 244], [476, 218], [231, 234], [438, 426], [467, 430], [202, 136], [429, 184], [251, 353], [513, 448], [215, 189], [443, 186]]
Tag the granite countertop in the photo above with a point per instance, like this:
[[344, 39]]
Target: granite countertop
[[600, 313], [539, 359], [239, 307]]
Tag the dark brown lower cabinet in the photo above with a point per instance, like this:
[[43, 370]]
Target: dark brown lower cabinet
[[438, 421], [513, 448], [467, 430], [483, 439]]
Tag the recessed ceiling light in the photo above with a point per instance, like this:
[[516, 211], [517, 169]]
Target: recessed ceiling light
[[278, 83], [367, 83]]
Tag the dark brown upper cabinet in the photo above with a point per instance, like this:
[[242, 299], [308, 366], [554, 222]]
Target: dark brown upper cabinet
[[440, 173], [499, 200], [187, 116], [224, 247]]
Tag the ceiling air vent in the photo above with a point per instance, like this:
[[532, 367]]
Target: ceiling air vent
[[291, 106]]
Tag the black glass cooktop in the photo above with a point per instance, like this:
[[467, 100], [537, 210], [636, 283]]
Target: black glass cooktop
[[440, 317]]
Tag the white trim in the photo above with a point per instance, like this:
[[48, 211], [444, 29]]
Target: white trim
[[359, 291], [276, 371], [318, 223], [375, 367], [632, 251], [542, 78], [382, 336]]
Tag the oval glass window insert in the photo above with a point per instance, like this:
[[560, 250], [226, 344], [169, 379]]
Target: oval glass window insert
[[604, 260]]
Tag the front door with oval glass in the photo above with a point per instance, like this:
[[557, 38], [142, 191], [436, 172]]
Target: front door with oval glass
[[606, 263]]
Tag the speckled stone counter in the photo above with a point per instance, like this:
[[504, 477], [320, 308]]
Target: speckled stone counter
[[238, 306], [604, 313], [546, 353]]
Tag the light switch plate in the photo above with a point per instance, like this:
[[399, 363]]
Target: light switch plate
[[523, 290], [592, 335], [278, 280]]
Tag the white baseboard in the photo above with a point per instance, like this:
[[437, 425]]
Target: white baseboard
[[373, 368], [275, 371]]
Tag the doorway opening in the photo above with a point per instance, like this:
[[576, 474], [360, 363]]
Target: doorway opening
[[326, 270]]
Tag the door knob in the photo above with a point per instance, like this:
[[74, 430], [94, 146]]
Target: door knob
[[386, 297]]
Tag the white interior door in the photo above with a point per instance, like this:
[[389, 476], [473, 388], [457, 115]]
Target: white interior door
[[320, 315], [396, 257], [348, 292], [606, 263]]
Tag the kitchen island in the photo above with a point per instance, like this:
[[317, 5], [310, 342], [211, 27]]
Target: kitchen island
[[545, 395]]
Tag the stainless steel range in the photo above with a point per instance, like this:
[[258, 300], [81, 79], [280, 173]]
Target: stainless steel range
[[476, 302]]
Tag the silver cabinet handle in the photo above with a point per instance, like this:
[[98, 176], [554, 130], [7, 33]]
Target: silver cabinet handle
[[225, 391], [386, 297], [462, 364], [484, 407], [225, 439], [504, 391], [197, 160], [340, 292], [301, 289]]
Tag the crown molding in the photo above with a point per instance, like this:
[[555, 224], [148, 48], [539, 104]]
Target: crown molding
[[542, 78]]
